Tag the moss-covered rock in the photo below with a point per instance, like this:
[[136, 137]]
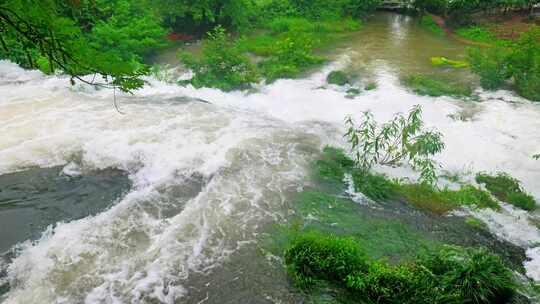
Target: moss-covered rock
[[339, 78]]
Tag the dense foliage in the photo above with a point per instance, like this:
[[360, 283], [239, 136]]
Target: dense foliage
[[450, 275], [292, 30], [81, 37], [459, 12], [222, 64], [517, 62], [112, 38]]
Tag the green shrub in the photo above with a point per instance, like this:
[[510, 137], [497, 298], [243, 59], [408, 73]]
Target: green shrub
[[507, 189], [222, 65], [491, 65], [375, 186], [473, 275], [394, 284], [449, 275], [519, 62], [525, 64], [293, 55], [426, 85], [313, 256], [338, 78], [428, 23], [402, 139]]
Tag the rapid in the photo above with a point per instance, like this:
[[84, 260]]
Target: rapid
[[210, 172]]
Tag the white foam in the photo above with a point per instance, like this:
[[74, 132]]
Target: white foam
[[249, 147]]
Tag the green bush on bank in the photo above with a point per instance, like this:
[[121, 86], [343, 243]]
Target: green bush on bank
[[518, 63], [450, 275], [222, 65]]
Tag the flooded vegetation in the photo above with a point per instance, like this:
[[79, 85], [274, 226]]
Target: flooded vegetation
[[313, 159]]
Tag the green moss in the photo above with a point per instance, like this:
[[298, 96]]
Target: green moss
[[380, 237], [507, 189], [443, 61], [338, 78], [428, 23], [424, 85]]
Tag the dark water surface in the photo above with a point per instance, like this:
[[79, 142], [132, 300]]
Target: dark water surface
[[32, 200]]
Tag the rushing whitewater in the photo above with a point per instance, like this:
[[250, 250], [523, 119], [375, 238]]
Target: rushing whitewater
[[208, 177]]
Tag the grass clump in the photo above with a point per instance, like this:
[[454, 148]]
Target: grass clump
[[427, 86], [476, 33], [449, 275], [443, 61], [471, 275], [471, 196], [507, 189], [338, 78], [313, 256], [375, 186], [428, 23], [428, 197]]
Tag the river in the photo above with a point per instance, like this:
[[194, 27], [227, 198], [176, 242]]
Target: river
[[208, 179]]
